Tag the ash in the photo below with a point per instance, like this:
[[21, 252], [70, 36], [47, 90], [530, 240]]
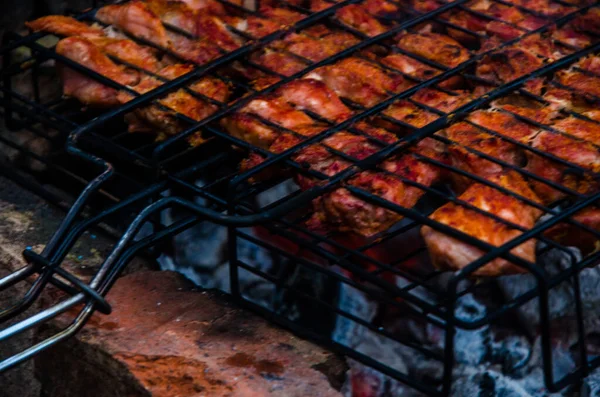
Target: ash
[[503, 359]]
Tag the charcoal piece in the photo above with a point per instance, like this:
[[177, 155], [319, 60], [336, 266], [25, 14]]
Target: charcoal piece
[[560, 298], [486, 382], [591, 385], [471, 347], [512, 352]]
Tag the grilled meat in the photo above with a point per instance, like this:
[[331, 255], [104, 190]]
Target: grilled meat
[[569, 234], [316, 48], [64, 26], [86, 89], [583, 83], [316, 97], [359, 81], [354, 15], [181, 101], [583, 155], [493, 140], [129, 51], [136, 18], [126, 50], [449, 253], [246, 124], [506, 65], [343, 211], [435, 47]]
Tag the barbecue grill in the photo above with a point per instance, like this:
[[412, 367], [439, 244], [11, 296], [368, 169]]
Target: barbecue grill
[[124, 181]]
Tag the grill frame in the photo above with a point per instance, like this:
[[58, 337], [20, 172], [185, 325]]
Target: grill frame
[[47, 264]]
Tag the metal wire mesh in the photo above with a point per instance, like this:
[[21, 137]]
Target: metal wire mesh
[[170, 168]]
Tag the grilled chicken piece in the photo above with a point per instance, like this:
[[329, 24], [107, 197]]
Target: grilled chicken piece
[[582, 154], [135, 18], [569, 35], [194, 51], [282, 15], [575, 236], [543, 115], [128, 51], [410, 66], [359, 80], [206, 6], [316, 97], [588, 22], [246, 124], [418, 70], [212, 28], [181, 101], [467, 137], [253, 25], [449, 253], [381, 8], [343, 211], [581, 82], [316, 48], [543, 7], [507, 64], [355, 16], [64, 26], [175, 13], [409, 113], [433, 46], [278, 62], [86, 89]]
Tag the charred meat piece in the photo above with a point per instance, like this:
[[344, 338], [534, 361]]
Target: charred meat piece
[[359, 80], [449, 253], [435, 47], [63, 26], [86, 89]]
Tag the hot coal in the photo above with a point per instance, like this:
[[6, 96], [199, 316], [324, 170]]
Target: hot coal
[[501, 359]]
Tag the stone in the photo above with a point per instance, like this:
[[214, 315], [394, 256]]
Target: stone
[[164, 338]]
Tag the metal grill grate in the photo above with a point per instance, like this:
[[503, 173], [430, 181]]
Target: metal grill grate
[[152, 170]]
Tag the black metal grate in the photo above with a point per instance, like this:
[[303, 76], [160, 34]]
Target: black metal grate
[[152, 170]]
